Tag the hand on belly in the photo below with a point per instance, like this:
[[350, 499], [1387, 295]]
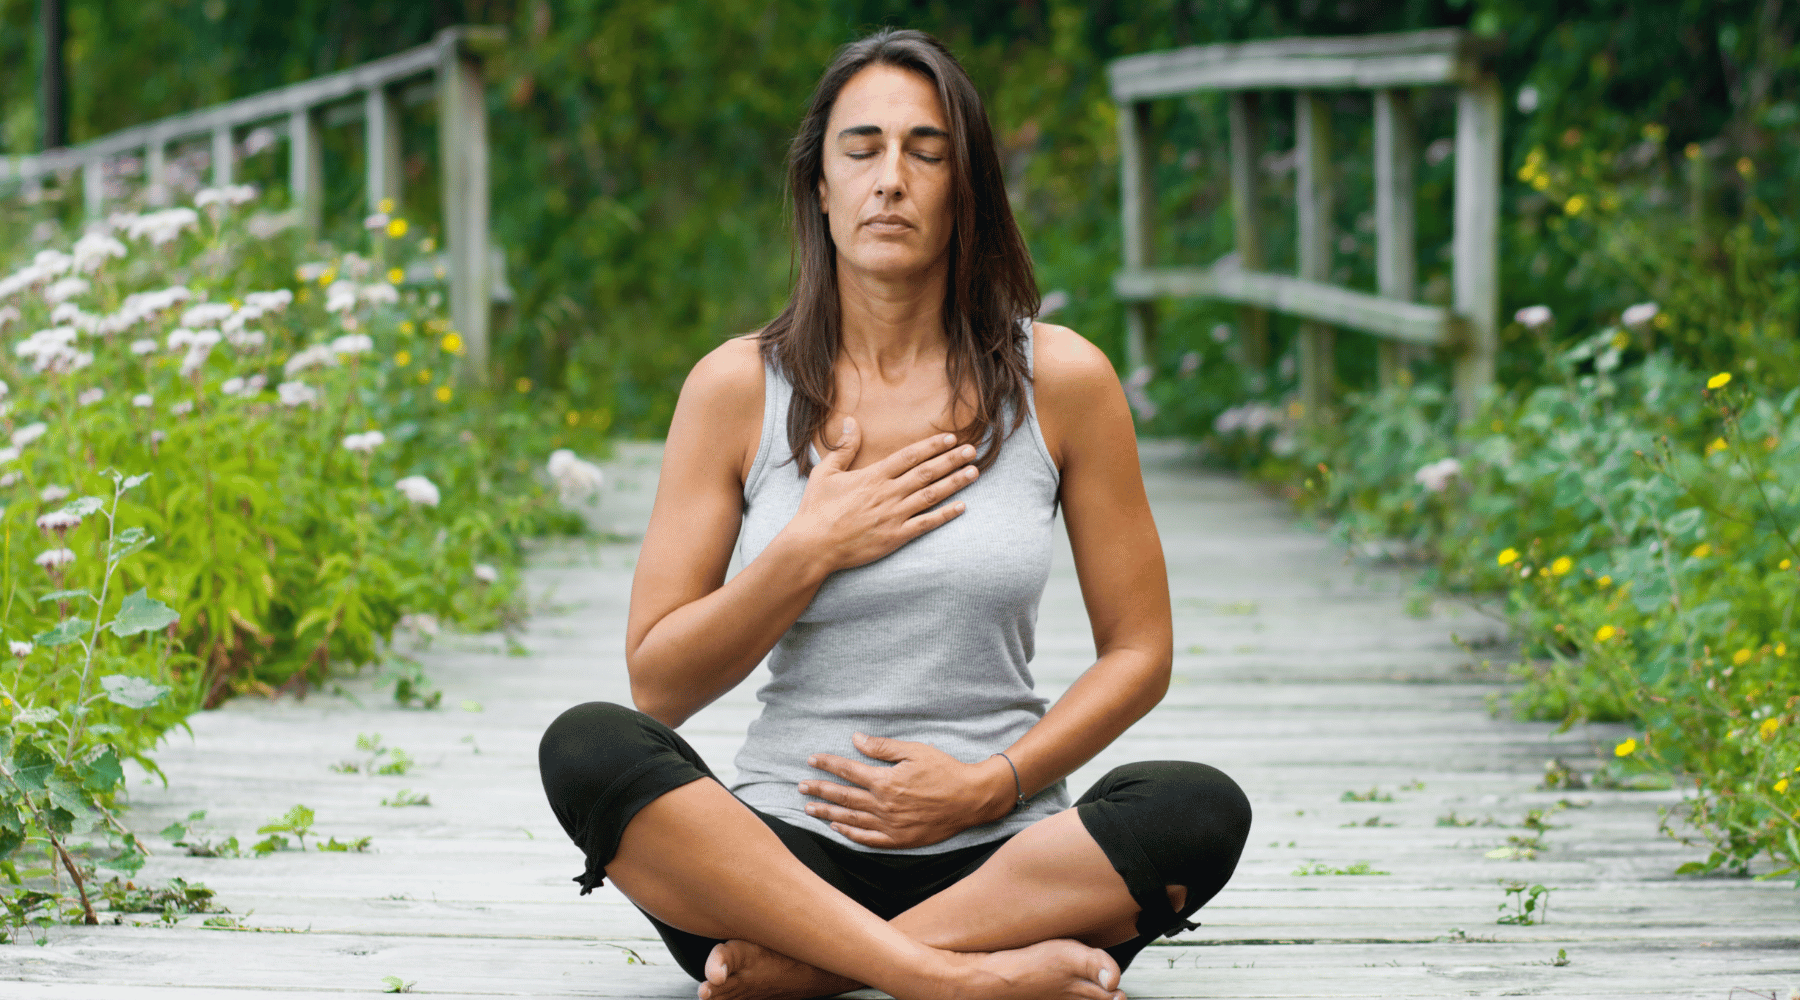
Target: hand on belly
[[925, 797]]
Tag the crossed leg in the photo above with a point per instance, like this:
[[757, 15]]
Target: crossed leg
[[698, 859], [1050, 882]]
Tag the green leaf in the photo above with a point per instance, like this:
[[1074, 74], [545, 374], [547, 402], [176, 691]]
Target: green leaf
[[83, 506], [103, 773], [67, 795], [66, 631], [129, 541], [132, 692], [35, 716], [131, 481], [63, 595], [128, 862], [31, 765], [141, 613]]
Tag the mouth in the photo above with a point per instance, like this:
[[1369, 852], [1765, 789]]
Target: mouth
[[887, 224]]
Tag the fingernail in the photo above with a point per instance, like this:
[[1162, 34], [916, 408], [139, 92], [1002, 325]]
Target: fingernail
[[949, 439]]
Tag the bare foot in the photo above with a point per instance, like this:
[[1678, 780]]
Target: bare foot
[[1053, 970], [739, 970]]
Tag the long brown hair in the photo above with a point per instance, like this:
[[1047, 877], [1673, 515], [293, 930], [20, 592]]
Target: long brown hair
[[991, 287]]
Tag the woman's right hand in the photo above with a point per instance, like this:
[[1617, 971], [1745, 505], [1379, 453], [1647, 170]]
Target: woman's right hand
[[851, 518]]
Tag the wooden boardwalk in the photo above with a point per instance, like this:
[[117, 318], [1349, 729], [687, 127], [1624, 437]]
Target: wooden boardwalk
[[1303, 676]]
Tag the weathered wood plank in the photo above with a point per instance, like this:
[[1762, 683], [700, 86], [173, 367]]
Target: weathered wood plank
[[1314, 201], [1410, 59], [1396, 252], [306, 169], [463, 154], [1475, 271], [381, 147], [1312, 300], [1137, 196], [1244, 114]]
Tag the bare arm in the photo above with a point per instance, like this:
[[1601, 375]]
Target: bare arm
[[692, 636], [929, 796]]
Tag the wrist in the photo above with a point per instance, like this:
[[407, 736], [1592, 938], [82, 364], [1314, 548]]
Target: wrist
[[998, 788], [802, 558]]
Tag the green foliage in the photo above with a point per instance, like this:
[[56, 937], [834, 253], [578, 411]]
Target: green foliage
[[1321, 868], [1529, 905], [297, 821]]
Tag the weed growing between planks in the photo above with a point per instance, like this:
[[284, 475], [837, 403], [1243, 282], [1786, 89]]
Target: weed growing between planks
[[1529, 904]]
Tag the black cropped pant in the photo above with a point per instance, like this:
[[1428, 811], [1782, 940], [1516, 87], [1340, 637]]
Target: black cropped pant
[[1160, 823]]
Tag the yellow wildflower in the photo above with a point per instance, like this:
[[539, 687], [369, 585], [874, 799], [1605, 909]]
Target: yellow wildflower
[[424, 376], [572, 417], [327, 276], [1702, 550], [1719, 381], [1498, 426], [1574, 205], [396, 276], [1785, 563], [1740, 657], [523, 384], [1717, 445], [1626, 748], [443, 394], [1691, 151], [1562, 565], [1781, 787], [1781, 649], [1507, 557], [406, 327], [1604, 633], [403, 358], [452, 342], [1620, 340], [1540, 182], [385, 206], [1605, 581], [1746, 168], [1768, 728], [396, 228]]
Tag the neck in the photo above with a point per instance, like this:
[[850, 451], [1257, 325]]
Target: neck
[[890, 325]]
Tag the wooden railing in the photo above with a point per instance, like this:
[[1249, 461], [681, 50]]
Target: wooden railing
[[1389, 65], [448, 69]]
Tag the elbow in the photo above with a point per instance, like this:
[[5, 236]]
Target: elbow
[[654, 699]]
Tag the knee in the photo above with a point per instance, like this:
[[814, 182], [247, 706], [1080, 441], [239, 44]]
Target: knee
[[1213, 802], [1199, 810], [590, 743]]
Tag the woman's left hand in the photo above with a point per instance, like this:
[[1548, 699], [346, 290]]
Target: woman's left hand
[[926, 797]]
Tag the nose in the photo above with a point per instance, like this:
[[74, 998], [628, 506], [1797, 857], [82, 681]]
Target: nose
[[888, 183]]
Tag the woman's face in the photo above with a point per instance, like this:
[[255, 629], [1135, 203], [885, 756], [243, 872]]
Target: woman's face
[[885, 189]]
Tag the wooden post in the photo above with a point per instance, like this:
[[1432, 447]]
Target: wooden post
[[462, 135], [1138, 201], [1246, 140], [1476, 243], [381, 146], [306, 170], [221, 156], [93, 189], [1396, 261], [1312, 192], [156, 173]]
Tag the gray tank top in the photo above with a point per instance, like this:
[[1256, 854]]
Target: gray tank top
[[931, 643]]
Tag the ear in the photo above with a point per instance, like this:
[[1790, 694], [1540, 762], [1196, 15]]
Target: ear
[[824, 198]]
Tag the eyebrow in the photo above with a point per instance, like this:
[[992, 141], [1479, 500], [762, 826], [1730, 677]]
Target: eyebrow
[[917, 132]]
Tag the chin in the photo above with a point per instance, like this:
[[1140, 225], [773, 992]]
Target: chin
[[890, 262]]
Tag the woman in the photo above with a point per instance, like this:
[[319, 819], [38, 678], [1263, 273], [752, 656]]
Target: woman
[[899, 818]]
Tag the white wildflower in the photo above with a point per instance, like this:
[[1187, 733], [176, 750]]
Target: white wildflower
[[230, 194], [182, 408], [1534, 317], [1140, 401], [70, 314], [419, 490], [255, 384], [54, 559], [66, 289], [28, 433], [244, 340], [53, 493], [206, 314], [54, 262], [274, 301], [365, 442], [1435, 476], [296, 393], [181, 336], [486, 573], [340, 296], [311, 271], [9, 480], [311, 357], [157, 437], [144, 346], [20, 648], [143, 400], [195, 359], [380, 293], [232, 386], [353, 343], [1638, 315], [161, 227], [58, 521], [420, 622], [377, 221], [356, 265], [576, 479], [90, 396], [8, 454], [1190, 363], [92, 250], [8, 314]]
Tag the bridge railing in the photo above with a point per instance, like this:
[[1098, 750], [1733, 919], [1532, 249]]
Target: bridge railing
[[449, 70], [1390, 66]]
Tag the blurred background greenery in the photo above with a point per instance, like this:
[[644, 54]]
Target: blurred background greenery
[[637, 149]]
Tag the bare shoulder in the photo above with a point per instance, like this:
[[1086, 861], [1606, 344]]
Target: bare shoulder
[[1074, 384], [722, 403]]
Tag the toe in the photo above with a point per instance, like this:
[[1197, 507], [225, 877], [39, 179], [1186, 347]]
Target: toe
[[716, 969]]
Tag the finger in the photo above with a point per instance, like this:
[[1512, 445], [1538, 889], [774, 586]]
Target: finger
[[867, 837], [897, 464], [844, 452], [934, 469], [920, 524], [838, 814], [883, 748], [849, 770], [929, 495], [855, 798]]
